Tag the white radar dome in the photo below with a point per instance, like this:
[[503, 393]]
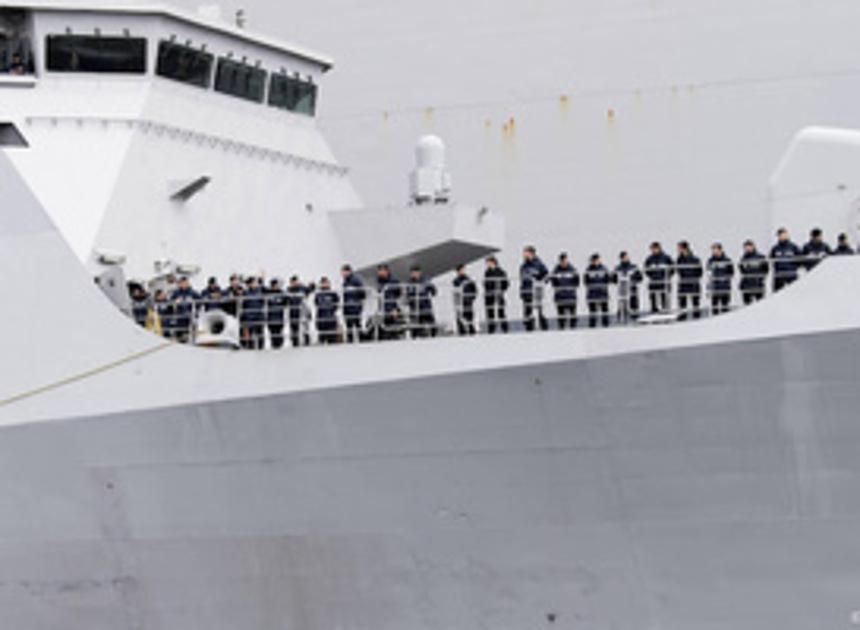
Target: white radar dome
[[430, 182]]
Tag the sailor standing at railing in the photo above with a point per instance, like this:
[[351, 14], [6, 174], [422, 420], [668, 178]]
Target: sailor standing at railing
[[721, 270], [140, 303], [327, 303], [276, 302], [163, 321], [843, 247], [786, 260], [533, 273], [597, 279], [465, 293], [628, 277], [659, 269], [184, 299], [253, 315], [565, 282], [232, 301], [496, 285], [815, 249], [419, 296], [354, 295], [690, 273], [297, 311], [753, 267], [211, 296], [389, 292]]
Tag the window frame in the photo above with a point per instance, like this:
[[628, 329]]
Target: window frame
[[226, 64], [141, 56], [291, 94], [200, 54]]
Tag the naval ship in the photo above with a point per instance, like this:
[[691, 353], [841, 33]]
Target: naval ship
[[685, 476]]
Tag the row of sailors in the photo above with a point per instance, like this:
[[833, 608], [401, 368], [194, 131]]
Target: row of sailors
[[273, 307]]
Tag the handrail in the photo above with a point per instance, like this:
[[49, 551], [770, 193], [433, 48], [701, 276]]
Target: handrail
[[402, 310]]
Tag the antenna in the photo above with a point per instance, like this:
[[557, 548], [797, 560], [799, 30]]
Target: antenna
[[240, 18]]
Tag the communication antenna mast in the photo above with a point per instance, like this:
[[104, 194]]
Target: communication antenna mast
[[240, 18]]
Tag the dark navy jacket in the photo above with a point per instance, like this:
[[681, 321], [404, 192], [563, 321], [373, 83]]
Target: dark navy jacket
[[597, 279], [565, 282], [785, 260], [183, 303], [532, 274], [689, 274], [813, 253], [419, 296], [354, 295], [658, 268], [390, 292], [140, 309], [722, 271], [753, 269], [212, 299], [466, 291], [276, 302], [495, 286], [253, 305], [843, 250], [326, 302]]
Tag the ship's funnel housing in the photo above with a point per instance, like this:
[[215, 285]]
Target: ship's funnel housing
[[430, 182]]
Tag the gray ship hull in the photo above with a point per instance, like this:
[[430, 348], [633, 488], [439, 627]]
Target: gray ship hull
[[704, 488]]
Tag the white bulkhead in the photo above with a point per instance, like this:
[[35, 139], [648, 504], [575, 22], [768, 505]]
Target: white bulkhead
[[160, 169]]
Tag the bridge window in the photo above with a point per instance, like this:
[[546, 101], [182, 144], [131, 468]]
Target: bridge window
[[293, 94], [185, 64], [239, 79], [94, 53]]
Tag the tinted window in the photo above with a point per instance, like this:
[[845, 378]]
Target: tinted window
[[185, 64], [239, 79], [293, 94], [89, 53]]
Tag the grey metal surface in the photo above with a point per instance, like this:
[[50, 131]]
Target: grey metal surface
[[693, 489]]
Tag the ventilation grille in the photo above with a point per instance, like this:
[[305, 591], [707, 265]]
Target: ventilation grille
[[10, 136]]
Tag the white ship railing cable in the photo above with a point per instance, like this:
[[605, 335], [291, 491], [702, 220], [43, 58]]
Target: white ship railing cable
[[188, 135], [404, 310]]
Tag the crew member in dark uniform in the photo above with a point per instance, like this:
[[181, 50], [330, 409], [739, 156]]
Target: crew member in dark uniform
[[659, 269], [327, 302], [843, 247], [164, 311], [533, 273], [597, 279], [628, 277], [140, 303], [565, 282], [753, 268], [785, 257], [419, 297], [232, 301], [297, 311], [390, 292], [253, 315], [212, 296], [276, 302], [184, 300], [354, 295], [721, 271], [690, 273], [465, 293], [815, 249], [495, 287]]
